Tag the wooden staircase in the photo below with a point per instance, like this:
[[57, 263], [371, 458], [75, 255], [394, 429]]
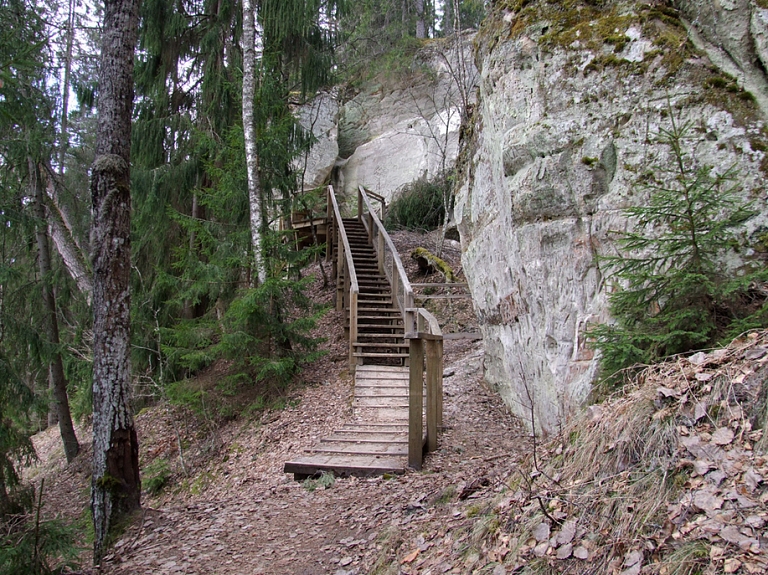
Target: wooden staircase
[[380, 333], [390, 340]]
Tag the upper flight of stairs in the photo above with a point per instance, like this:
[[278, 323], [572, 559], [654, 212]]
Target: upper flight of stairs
[[380, 334]]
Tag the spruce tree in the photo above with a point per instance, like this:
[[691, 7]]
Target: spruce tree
[[673, 290]]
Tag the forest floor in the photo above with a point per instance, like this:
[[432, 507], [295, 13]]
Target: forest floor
[[669, 475], [225, 505]]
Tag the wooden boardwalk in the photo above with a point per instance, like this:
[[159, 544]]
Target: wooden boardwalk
[[375, 441]]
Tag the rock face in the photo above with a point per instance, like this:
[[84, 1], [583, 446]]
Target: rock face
[[398, 131], [569, 103], [321, 117]]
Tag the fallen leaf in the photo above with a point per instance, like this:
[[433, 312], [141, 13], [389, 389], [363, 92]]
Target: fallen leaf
[[567, 532], [707, 501], [564, 551], [722, 436], [702, 466], [411, 557], [541, 532], [752, 479], [633, 558], [667, 392], [581, 553], [701, 376], [731, 565], [541, 549], [699, 358]]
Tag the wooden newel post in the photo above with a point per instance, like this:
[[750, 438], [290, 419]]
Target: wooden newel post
[[434, 392], [415, 403]]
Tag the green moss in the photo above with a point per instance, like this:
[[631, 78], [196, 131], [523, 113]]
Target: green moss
[[434, 262], [588, 161]]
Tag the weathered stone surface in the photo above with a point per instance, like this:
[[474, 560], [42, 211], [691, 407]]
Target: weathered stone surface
[[734, 34], [552, 156], [320, 116], [399, 131]]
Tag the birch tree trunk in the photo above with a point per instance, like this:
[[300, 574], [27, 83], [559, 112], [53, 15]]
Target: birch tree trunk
[[115, 487], [255, 198], [56, 377]]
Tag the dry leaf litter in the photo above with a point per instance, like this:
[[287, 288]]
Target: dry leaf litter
[[668, 477]]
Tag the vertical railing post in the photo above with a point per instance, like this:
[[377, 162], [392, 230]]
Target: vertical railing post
[[439, 390], [359, 205], [370, 229], [339, 272], [329, 228], [352, 330], [395, 285], [433, 361], [415, 403], [381, 251]]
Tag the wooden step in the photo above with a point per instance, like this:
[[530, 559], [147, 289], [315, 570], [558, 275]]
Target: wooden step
[[372, 436], [385, 449], [343, 466], [382, 355], [381, 344]]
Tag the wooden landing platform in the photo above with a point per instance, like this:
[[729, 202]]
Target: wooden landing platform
[[376, 440]]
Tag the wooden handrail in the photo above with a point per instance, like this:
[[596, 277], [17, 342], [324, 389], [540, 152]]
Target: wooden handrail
[[350, 277], [399, 278]]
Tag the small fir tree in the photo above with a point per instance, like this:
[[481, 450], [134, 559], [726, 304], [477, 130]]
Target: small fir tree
[[673, 290]]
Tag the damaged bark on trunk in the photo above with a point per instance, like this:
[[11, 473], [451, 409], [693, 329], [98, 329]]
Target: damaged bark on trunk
[[115, 487]]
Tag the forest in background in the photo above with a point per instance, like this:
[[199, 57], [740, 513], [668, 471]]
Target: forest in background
[[202, 287]]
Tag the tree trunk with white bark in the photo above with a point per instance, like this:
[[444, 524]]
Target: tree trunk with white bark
[[255, 198]]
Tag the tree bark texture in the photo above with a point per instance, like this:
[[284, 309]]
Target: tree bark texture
[[56, 377], [249, 134], [116, 486], [421, 31], [67, 246], [64, 136]]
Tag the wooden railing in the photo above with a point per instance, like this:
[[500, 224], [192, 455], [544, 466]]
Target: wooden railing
[[421, 329], [347, 292], [389, 260]]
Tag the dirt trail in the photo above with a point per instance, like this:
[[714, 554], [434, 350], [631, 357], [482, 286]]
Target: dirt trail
[[261, 521], [231, 509]]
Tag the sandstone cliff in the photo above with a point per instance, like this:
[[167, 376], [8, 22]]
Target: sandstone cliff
[[571, 94]]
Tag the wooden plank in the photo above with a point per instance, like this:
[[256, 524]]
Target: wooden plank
[[464, 335], [462, 285], [345, 466], [384, 439], [434, 373], [383, 368], [363, 449], [416, 404]]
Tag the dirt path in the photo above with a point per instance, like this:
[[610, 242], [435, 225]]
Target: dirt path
[[255, 519], [230, 509]]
